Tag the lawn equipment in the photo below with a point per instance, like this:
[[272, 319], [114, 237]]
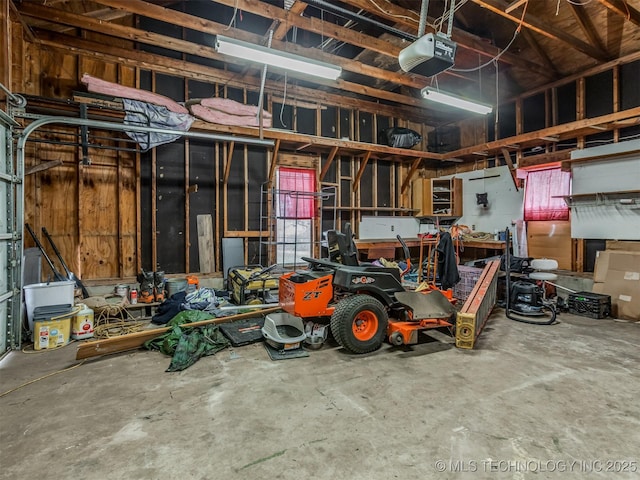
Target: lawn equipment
[[363, 303]]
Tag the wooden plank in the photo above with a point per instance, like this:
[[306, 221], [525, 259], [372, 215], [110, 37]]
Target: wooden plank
[[216, 173], [5, 48], [512, 169], [138, 197], [363, 165], [578, 261], [330, 158], [274, 160], [158, 63], [206, 244], [135, 340], [565, 128], [187, 205], [622, 8], [550, 239], [42, 167], [412, 170], [227, 170], [513, 5]]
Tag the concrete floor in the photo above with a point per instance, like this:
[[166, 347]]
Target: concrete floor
[[555, 399]]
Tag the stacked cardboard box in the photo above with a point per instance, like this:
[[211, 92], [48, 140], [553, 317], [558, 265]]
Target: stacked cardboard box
[[617, 273]]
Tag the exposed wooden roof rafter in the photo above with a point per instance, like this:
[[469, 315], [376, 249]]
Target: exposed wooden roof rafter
[[543, 28], [586, 25], [622, 8], [464, 39]]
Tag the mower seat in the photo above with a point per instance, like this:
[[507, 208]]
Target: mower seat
[[342, 248], [339, 249]]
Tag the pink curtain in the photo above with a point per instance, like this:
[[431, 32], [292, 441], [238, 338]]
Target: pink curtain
[[543, 195], [296, 187]]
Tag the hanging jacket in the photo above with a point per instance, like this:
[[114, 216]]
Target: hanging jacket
[[447, 262]]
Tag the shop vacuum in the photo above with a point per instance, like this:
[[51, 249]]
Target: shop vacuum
[[525, 301]]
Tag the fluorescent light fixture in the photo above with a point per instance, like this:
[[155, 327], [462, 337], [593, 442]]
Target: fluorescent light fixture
[[455, 101], [275, 58]]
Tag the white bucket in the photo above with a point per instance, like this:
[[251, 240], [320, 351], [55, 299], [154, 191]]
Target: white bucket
[[47, 294], [82, 323]]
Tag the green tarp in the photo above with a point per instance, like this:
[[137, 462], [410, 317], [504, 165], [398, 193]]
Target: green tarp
[[187, 345]]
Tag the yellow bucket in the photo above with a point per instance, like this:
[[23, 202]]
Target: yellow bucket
[[52, 332]]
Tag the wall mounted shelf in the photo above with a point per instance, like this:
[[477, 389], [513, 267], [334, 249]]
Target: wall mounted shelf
[[626, 197]]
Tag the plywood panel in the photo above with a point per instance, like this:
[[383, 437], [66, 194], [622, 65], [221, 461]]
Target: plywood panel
[[99, 69], [99, 255], [58, 208], [127, 211], [57, 74], [30, 68], [550, 240], [127, 191], [98, 202], [127, 76], [206, 244]]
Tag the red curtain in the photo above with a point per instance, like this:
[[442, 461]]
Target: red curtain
[[297, 188], [543, 195]]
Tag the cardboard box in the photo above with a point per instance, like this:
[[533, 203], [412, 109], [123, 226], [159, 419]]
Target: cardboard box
[[618, 274], [625, 245], [620, 258]]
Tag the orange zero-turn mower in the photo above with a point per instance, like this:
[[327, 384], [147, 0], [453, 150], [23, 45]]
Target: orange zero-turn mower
[[365, 304]]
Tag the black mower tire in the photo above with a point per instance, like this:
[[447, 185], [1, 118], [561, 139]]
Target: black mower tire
[[359, 308]]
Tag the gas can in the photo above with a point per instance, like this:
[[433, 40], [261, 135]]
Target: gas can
[[82, 323], [193, 283], [133, 296]]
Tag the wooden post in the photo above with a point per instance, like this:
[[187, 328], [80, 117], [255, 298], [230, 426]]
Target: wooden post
[[580, 106], [206, 244], [616, 98], [216, 174], [5, 48], [154, 199], [187, 196], [578, 260], [138, 197]]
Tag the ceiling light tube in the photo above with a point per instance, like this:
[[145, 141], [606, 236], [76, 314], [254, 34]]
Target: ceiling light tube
[[275, 58], [455, 101]]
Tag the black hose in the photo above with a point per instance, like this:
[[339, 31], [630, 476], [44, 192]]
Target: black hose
[[507, 269]]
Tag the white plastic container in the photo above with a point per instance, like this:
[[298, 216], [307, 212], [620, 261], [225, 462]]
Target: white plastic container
[[82, 323], [46, 294]]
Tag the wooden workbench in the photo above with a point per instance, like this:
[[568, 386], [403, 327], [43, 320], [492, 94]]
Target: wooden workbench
[[470, 248]]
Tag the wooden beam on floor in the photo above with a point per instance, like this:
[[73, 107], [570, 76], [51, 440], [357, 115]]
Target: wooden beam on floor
[[135, 340]]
